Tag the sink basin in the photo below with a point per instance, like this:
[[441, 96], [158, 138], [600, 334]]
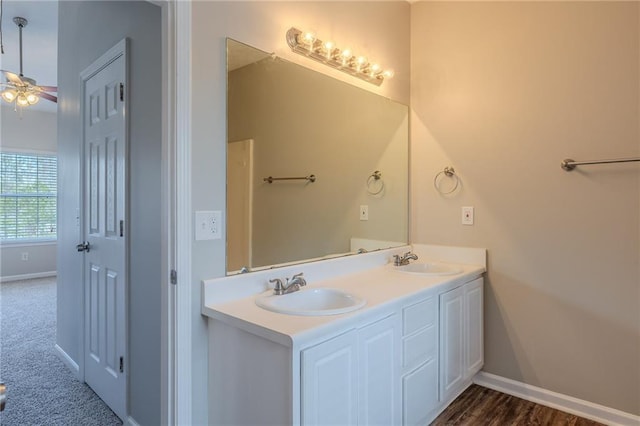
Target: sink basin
[[429, 269], [311, 302]]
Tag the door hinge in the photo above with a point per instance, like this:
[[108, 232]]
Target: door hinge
[[122, 228], [121, 91], [122, 364], [174, 277]]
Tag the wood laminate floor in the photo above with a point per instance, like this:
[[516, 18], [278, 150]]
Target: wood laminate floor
[[479, 406]]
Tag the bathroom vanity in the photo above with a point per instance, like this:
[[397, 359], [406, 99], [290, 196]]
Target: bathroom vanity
[[400, 359]]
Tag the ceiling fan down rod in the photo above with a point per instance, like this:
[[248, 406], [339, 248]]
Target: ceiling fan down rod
[[21, 23]]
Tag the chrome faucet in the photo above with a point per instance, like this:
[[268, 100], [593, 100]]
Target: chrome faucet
[[290, 286], [404, 259]]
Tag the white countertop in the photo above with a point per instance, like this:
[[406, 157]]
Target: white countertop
[[376, 281]]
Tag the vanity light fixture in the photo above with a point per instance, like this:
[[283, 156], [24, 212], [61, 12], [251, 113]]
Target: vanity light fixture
[[307, 44]]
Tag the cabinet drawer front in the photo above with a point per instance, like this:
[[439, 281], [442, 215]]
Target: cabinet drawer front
[[418, 316], [419, 347]]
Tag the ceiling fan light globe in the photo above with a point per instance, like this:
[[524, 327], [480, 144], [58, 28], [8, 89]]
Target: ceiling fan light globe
[[32, 98], [9, 95], [22, 100]]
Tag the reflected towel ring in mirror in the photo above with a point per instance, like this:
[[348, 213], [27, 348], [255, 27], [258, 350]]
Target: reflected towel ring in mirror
[[375, 184], [448, 172]]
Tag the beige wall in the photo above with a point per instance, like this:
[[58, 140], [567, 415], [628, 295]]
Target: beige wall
[[503, 91], [381, 28], [303, 122]]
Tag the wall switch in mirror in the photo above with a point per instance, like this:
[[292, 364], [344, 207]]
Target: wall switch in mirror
[[364, 212], [208, 225]]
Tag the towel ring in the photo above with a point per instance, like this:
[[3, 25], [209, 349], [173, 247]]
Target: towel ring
[[448, 172], [371, 180]]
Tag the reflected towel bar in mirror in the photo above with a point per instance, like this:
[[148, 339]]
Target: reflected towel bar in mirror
[[310, 178]]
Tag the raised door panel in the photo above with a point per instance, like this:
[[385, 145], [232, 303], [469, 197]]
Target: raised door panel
[[474, 358], [379, 366], [420, 394], [329, 382], [452, 347]]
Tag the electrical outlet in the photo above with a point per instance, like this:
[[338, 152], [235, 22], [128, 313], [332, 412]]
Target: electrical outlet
[[208, 225], [467, 215], [24, 255], [364, 212]]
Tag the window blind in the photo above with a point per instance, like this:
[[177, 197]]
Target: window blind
[[28, 192]]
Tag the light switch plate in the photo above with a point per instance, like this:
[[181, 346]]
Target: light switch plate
[[467, 215], [208, 225], [364, 212]]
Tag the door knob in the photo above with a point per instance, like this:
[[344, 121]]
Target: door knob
[[83, 246]]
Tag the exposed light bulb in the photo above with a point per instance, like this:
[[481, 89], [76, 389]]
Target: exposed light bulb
[[309, 38], [376, 69], [361, 62], [9, 95], [346, 56], [329, 46], [388, 74]]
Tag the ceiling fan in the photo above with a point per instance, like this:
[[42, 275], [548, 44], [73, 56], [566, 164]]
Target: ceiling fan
[[20, 90]]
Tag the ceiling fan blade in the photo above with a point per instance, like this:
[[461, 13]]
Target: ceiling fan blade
[[13, 78], [48, 88], [48, 97]]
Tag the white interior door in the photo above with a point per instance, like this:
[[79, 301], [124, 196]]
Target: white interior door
[[239, 205], [104, 210]]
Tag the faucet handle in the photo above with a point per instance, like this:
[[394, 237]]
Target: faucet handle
[[299, 278]]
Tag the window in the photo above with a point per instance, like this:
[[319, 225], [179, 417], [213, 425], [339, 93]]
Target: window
[[28, 190]]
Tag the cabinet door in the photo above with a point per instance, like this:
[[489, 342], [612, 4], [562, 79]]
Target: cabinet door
[[452, 350], [420, 394], [474, 327], [329, 382], [379, 369]]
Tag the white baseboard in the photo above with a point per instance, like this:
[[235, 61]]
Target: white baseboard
[[131, 422], [568, 404], [68, 361], [28, 276]]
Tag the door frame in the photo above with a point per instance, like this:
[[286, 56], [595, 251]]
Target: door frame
[[248, 194], [176, 316]]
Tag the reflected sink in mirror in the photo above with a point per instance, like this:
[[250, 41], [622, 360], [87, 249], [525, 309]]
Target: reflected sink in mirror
[[311, 302], [428, 269]]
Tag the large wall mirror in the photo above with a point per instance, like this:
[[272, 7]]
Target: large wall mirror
[[287, 121]]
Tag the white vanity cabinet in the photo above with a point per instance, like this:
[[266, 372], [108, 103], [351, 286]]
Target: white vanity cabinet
[[398, 364], [352, 378], [461, 338], [420, 361]]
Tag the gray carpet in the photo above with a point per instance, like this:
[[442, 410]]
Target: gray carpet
[[41, 390]]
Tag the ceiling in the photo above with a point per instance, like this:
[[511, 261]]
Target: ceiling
[[39, 43]]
